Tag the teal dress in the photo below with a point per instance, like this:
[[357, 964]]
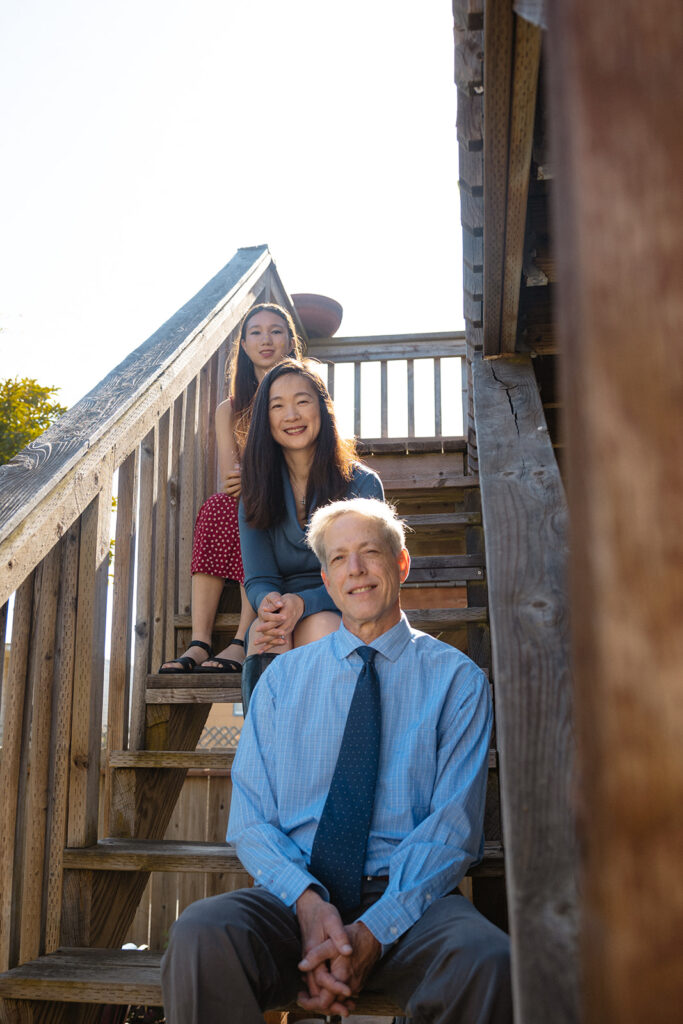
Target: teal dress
[[279, 559]]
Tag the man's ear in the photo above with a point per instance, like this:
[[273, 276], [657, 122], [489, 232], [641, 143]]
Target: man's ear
[[324, 576], [403, 564]]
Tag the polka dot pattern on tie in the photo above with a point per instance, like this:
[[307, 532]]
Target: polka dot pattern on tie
[[338, 854], [216, 541]]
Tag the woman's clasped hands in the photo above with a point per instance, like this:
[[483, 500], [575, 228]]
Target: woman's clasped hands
[[278, 615]]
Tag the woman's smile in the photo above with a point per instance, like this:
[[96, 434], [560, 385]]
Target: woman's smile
[[293, 412]]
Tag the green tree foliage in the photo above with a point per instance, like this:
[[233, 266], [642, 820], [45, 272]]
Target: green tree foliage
[[26, 410]]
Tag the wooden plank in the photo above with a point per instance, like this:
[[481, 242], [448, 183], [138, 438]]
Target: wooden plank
[[144, 574], [469, 119], [443, 519], [498, 49], [616, 70], [387, 346], [411, 397], [13, 697], [161, 539], [88, 975], [525, 524], [55, 477], [86, 724], [3, 634], [195, 695], [37, 792], [410, 445], [437, 396], [219, 758], [173, 529], [187, 508], [401, 472], [122, 603], [61, 734], [356, 400], [384, 398], [527, 58], [161, 855]]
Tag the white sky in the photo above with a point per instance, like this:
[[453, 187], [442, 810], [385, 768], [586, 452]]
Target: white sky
[[143, 142]]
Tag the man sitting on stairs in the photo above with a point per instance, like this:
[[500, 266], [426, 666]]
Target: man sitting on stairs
[[357, 807]]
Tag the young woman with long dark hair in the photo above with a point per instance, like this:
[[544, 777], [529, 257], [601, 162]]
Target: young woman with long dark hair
[[267, 334], [293, 463]]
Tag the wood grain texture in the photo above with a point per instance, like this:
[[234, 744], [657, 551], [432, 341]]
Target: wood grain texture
[[498, 52], [525, 522], [615, 83], [401, 472], [144, 586], [156, 855], [37, 792], [10, 766], [65, 658], [204, 758], [526, 62], [387, 346]]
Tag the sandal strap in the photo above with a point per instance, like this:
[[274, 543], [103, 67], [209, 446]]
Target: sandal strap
[[204, 647], [240, 643]]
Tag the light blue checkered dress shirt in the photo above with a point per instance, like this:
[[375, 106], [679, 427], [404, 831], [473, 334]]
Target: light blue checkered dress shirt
[[427, 821]]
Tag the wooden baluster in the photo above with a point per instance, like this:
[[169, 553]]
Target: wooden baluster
[[187, 499], [40, 703], [61, 733], [384, 409], [437, 397], [356, 399], [86, 725], [411, 397], [160, 610], [121, 626], [143, 585], [10, 765], [173, 528], [330, 379]]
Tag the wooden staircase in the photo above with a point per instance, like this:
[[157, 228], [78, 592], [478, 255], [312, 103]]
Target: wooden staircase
[[445, 595]]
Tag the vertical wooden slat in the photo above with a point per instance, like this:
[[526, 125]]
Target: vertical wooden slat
[[39, 759], [159, 607], [330, 379], [465, 378], [187, 501], [210, 456], [498, 46], [437, 397], [527, 57], [616, 104], [202, 437], [121, 627], [86, 728], [384, 407], [14, 696], [410, 367], [356, 399], [61, 735], [173, 528], [144, 588]]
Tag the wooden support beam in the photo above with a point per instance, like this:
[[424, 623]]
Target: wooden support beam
[[617, 110], [524, 517]]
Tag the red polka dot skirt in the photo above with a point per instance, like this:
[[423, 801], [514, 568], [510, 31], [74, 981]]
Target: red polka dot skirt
[[216, 540]]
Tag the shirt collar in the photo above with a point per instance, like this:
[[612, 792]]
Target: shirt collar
[[390, 644]]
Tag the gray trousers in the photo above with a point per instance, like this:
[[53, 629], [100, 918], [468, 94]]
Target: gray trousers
[[230, 957]]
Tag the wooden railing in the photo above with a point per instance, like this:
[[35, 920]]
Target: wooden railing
[[384, 353], [145, 434]]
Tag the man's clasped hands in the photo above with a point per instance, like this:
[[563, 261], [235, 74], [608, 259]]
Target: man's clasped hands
[[337, 957]]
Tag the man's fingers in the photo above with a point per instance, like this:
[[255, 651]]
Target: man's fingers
[[318, 1006], [327, 950]]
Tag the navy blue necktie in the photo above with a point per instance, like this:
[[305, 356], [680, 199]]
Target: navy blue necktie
[[338, 854]]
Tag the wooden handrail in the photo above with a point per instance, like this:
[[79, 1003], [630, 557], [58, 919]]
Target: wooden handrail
[[47, 486]]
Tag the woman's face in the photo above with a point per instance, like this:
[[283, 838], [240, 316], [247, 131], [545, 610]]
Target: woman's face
[[293, 412], [266, 340]]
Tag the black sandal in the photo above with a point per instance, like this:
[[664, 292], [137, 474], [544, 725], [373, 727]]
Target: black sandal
[[227, 665], [188, 663]]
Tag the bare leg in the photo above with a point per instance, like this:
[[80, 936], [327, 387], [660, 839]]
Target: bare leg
[[206, 593], [236, 651], [315, 627]]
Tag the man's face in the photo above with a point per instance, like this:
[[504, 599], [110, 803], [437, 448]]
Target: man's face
[[363, 577]]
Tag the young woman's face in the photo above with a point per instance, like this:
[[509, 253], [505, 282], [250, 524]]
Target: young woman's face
[[293, 412], [266, 340]]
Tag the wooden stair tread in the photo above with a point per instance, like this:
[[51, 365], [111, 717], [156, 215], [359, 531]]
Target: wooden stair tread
[[410, 445], [118, 976], [439, 519], [200, 758], [153, 855], [185, 622], [195, 856], [76, 975]]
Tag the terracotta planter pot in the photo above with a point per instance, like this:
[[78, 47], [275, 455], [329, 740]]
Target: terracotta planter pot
[[320, 315]]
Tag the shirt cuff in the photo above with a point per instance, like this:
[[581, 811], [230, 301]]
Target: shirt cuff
[[289, 884], [387, 919]]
